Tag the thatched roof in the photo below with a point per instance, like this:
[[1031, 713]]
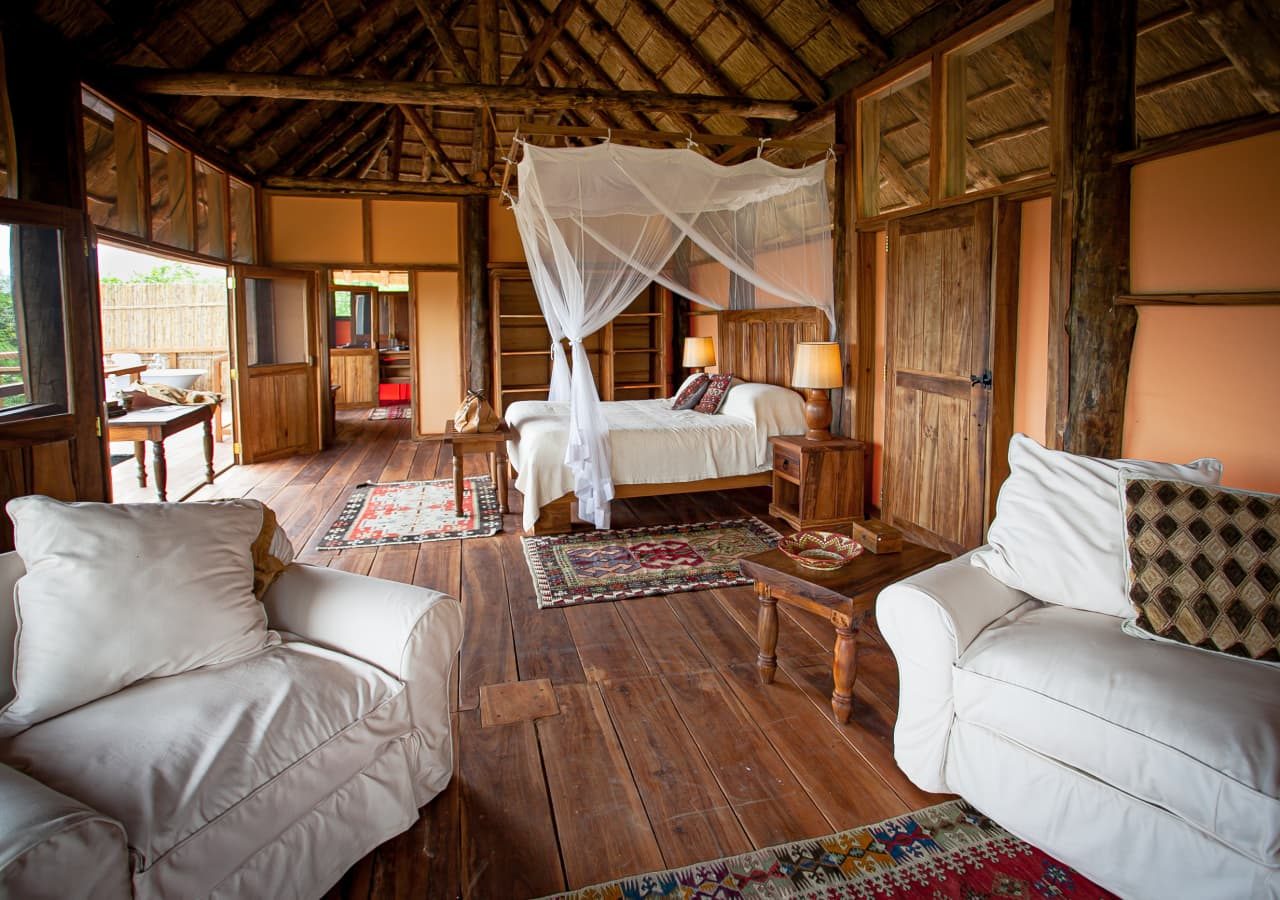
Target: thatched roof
[[801, 51]]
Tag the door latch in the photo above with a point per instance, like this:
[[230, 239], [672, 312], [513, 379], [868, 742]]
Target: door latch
[[984, 379]]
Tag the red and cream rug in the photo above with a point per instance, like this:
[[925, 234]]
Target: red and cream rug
[[594, 566], [414, 512], [399, 411], [946, 851]]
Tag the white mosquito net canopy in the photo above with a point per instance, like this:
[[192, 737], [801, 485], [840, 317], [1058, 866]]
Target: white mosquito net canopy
[[600, 223]]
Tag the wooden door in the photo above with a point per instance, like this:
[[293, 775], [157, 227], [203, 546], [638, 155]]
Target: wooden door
[[938, 368], [274, 363]]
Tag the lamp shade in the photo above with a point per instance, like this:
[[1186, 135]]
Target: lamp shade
[[817, 365], [699, 351]]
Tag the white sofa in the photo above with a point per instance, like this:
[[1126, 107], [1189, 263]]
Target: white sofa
[[1151, 768], [266, 776]]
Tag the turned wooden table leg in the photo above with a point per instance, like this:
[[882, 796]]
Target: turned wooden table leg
[[501, 481], [140, 456], [846, 667], [457, 483], [208, 450], [766, 634], [160, 469]]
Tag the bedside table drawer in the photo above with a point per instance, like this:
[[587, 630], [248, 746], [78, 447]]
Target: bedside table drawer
[[786, 463]]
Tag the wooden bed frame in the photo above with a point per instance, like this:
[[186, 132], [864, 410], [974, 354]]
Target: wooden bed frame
[[754, 344]]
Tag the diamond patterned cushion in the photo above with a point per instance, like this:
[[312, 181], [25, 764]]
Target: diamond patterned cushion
[[694, 387], [717, 390], [1204, 566]]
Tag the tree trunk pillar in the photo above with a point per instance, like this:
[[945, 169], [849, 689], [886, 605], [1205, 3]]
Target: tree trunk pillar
[[475, 257]]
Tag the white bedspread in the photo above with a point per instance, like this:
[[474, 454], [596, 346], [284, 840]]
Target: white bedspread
[[650, 443]]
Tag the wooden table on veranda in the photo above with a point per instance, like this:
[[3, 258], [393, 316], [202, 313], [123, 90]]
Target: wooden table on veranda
[[154, 424], [843, 596], [492, 443]]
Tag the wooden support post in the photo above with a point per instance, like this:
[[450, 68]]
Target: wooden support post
[[844, 253], [1090, 337], [475, 256]]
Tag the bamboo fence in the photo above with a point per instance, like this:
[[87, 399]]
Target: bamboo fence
[[185, 323]]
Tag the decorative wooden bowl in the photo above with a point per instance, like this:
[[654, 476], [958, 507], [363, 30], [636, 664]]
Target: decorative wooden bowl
[[820, 549]]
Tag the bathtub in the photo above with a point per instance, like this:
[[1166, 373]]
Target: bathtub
[[178, 378]]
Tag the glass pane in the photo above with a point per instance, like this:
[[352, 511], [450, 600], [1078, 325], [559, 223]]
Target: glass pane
[[340, 327], [211, 210], [393, 320], [33, 350], [170, 193], [358, 306], [897, 125], [241, 222], [275, 320], [6, 136], [100, 174], [1008, 87]]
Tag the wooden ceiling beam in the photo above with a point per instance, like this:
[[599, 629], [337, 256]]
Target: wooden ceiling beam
[[1168, 17], [447, 41], [1249, 34], [487, 41], [758, 32], [1009, 134], [341, 155], [866, 38], [371, 186], [460, 96], [541, 43], [378, 148], [127, 30], [656, 18], [1178, 79], [431, 143], [397, 145]]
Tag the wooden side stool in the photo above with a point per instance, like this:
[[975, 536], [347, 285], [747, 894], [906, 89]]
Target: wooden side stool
[[491, 443]]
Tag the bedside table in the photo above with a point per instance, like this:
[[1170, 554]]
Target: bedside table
[[817, 484]]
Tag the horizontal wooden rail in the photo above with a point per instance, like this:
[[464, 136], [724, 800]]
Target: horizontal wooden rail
[[1227, 298]]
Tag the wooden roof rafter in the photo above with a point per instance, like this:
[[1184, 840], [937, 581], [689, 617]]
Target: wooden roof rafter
[[1249, 35], [786, 59]]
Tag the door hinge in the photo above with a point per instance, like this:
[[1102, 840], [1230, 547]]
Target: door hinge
[[235, 448], [233, 376], [231, 282], [86, 247], [97, 426]]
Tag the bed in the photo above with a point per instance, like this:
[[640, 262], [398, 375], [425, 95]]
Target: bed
[[657, 450]]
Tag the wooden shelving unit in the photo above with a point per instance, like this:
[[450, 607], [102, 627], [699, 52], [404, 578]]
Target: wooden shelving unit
[[628, 356], [394, 367]]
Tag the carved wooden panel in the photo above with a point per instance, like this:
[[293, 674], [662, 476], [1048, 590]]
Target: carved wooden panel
[[760, 344]]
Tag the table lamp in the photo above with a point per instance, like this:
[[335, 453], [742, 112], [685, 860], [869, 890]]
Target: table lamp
[[817, 369], [699, 352]]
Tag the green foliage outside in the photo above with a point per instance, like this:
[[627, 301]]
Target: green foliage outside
[[167, 273], [8, 342]]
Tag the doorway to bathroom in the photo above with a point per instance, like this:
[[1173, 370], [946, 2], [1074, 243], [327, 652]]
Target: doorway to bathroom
[[165, 341]]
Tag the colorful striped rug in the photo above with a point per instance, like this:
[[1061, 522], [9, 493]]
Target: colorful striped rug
[[591, 566], [399, 411], [945, 851], [414, 512]]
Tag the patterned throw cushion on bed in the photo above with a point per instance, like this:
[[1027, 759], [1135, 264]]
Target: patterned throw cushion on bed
[[691, 393], [1204, 566], [717, 389]]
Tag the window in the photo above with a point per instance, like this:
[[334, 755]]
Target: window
[[33, 343], [276, 321], [211, 210], [170, 169], [8, 187], [1001, 88], [113, 168], [894, 133], [242, 233]]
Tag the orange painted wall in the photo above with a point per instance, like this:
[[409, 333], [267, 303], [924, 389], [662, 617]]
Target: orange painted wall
[[1203, 380], [439, 349], [314, 229], [414, 231], [1030, 384], [504, 237]]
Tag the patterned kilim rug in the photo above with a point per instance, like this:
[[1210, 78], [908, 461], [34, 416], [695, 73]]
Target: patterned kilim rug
[[400, 411], [414, 512], [642, 562], [946, 851]]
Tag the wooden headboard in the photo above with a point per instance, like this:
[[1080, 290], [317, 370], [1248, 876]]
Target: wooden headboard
[[760, 344]]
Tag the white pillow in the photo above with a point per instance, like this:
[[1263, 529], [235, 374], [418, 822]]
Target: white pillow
[[1059, 530], [115, 593], [772, 409]]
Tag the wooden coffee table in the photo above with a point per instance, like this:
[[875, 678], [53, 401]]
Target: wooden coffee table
[[492, 443], [843, 596]]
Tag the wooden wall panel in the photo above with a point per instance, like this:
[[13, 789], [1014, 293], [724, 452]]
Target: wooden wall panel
[[759, 344], [356, 374]]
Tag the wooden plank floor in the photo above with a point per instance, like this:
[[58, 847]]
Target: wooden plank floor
[[666, 749]]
